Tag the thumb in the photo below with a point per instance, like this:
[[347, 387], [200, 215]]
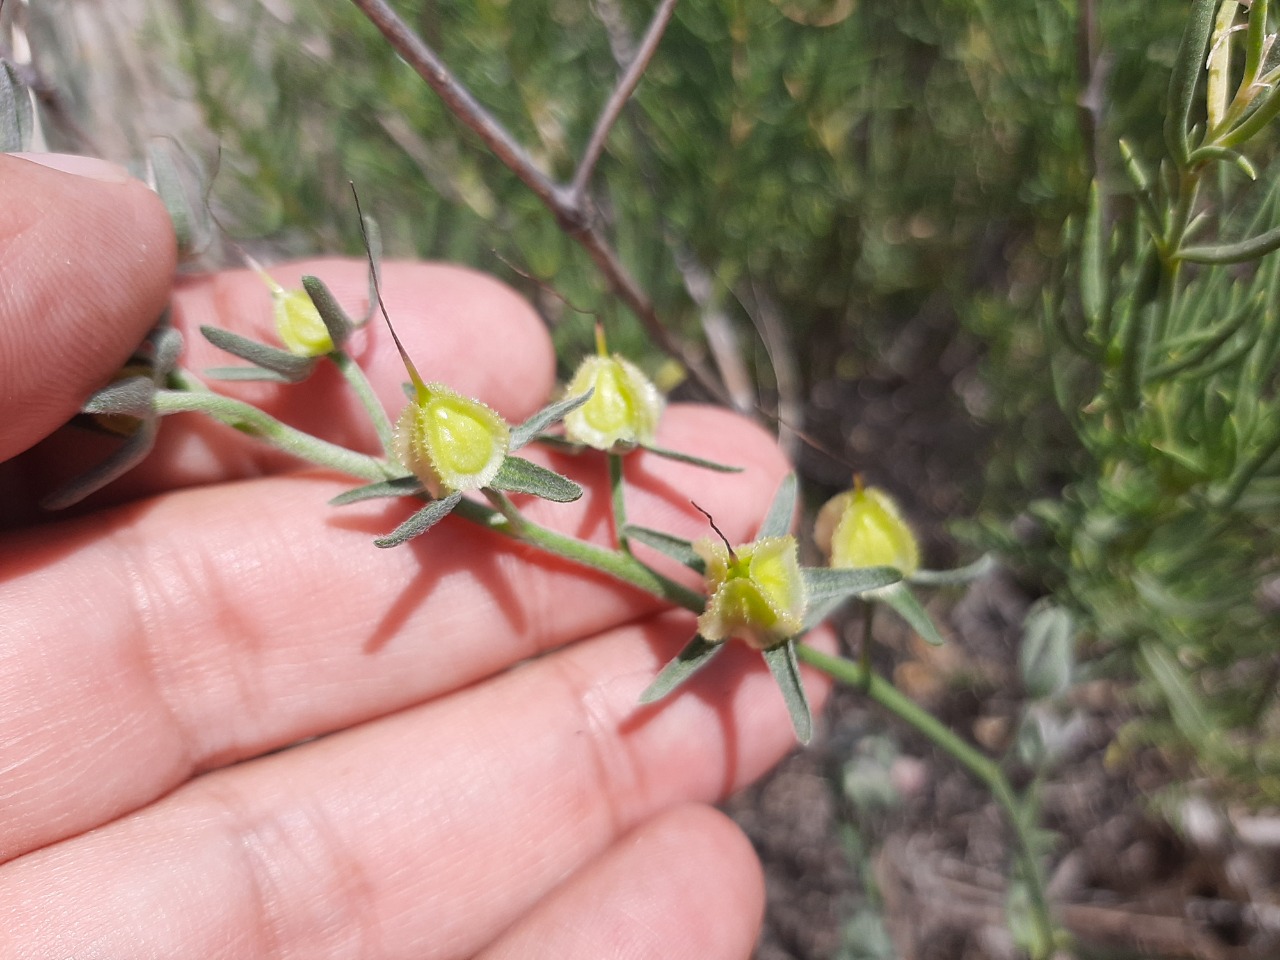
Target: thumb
[[87, 255]]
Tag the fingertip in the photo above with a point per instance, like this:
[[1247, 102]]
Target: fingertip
[[88, 255]]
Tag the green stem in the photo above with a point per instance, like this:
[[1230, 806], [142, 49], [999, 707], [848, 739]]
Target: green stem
[[981, 767], [619, 565], [619, 501], [249, 419], [506, 520], [368, 399], [864, 653]]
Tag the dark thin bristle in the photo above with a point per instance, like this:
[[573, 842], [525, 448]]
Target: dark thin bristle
[[720, 533], [377, 292]]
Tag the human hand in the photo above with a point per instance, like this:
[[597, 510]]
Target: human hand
[[162, 647]]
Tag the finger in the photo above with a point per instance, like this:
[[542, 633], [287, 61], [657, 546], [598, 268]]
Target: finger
[[460, 327], [88, 259], [214, 624], [423, 834], [683, 886]]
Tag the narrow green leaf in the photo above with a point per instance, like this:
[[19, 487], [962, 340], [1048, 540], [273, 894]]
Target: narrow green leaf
[[246, 374], [1188, 712], [178, 180], [672, 546], [1142, 183], [420, 522], [1255, 40], [1094, 271], [697, 653], [1187, 67], [777, 522], [1198, 347], [1224, 155], [531, 428], [1240, 252], [689, 458], [904, 602], [786, 671], [1218, 93], [517, 475], [16, 115], [1046, 656], [336, 321], [125, 457], [291, 367], [1265, 109], [822, 583], [952, 578], [827, 588], [399, 487]]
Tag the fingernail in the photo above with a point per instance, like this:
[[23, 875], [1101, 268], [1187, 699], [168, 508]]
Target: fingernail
[[90, 167]]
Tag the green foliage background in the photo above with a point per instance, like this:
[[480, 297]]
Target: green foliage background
[[922, 153]]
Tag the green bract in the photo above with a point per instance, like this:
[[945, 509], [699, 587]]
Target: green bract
[[451, 442], [863, 528], [624, 407], [755, 593]]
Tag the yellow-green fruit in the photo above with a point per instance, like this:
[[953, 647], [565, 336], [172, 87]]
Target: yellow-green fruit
[[863, 528], [755, 593], [624, 407], [451, 442], [299, 325]]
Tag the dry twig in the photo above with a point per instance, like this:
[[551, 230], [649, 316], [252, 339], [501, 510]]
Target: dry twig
[[570, 204]]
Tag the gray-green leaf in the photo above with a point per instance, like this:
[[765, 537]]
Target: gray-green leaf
[[786, 671], [132, 397], [420, 522], [290, 366], [697, 653], [777, 522], [827, 588], [16, 115], [335, 318], [529, 430], [666, 543], [904, 602], [399, 487], [689, 458], [1046, 656], [517, 475]]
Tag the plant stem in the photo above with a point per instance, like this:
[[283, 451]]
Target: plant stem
[[249, 419], [618, 98], [574, 214], [615, 563], [981, 767], [618, 498], [355, 376]]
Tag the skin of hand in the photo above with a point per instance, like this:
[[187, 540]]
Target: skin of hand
[[231, 727]]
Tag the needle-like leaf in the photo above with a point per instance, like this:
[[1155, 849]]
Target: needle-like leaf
[[288, 366], [777, 522], [786, 671], [675, 547], [529, 430], [399, 487], [420, 522], [689, 458], [696, 655]]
